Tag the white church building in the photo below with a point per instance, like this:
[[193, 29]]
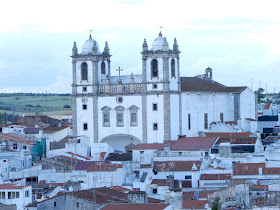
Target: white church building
[[152, 107]]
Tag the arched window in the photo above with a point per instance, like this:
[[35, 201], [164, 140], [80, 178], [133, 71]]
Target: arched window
[[173, 68], [84, 71], [103, 67], [154, 68]]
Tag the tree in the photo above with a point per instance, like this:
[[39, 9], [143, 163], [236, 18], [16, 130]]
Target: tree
[[260, 93], [216, 204]]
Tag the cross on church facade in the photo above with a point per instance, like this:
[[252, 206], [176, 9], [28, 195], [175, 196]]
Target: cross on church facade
[[119, 70]]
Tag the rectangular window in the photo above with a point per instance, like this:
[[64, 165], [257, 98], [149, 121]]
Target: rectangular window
[[155, 108], [155, 126], [84, 107], [222, 117], [189, 121], [54, 203], [188, 177], [141, 152], [133, 119], [17, 194], [2, 195], [27, 193], [119, 119], [154, 86], [180, 153], [106, 119], [9, 195], [24, 147], [13, 195], [85, 126], [84, 89], [14, 145], [78, 204], [155, 191], [205, 121]]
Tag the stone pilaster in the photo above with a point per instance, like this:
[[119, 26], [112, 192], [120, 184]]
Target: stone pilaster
[[144, 118], [180, 114], [95, 118], [144, 73], [236, 107], [74, 98], [165, 74], [167, 129]]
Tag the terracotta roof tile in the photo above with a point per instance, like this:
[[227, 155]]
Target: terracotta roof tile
[[228, 134], [188, 195], [120, 189], [186, 184], [259, 187], [86, 158], [197, 84], [250, 119], [154, 200], [129, 206], [194, 204], [176, 165], [104, 167], [102, 156], [12, 186], [159, 182], [249, 140], [14, 138], [267, 106], [204, 194], [247, 168], [194, 143], [83, 165], [155, 146]]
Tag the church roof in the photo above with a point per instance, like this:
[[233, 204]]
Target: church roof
[[197, 84], [126, 79]]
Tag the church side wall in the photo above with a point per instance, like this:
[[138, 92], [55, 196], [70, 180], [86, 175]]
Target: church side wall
[[111, 102], [174, 116], [247, 105], [155, 117], [199, 103]]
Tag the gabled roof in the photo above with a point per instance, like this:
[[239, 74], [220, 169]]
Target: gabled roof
[[155, 146], [194, 143], [253, 169], [204, 194], [83, 165], [201, 85], [176, 165], [188, 195], [120, 188]]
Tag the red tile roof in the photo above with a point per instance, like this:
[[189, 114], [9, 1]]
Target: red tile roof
[[250, 119], [154, 146], [248, 140], [253, 169], [186, 184], [102, 156], [14, 138], [230, 122], [12, 186], [73, 154], [194, 204], [259, 187], [267, 106], [120, 189], [176, 165], [188, 195], [129, 206], [228, 134], [215, 177], [83, 165], [272, 137], [194, 143], [154, 200], [67, 158], [204, 194], [159, 182]]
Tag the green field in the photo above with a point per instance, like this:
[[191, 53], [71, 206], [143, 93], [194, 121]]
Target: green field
[[40, 104]]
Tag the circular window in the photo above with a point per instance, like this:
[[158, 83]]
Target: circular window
[[119, 100]]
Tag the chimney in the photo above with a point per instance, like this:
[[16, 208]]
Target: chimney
[[137, 196], [174, 197]]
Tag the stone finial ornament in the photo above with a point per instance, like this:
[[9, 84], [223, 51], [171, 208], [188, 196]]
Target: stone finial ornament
[[74, 49], [106, 49], [175, 45]]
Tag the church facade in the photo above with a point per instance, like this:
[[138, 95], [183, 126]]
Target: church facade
[[152, 107]]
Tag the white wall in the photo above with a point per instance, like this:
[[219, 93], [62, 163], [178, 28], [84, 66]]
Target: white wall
[[174, 116]]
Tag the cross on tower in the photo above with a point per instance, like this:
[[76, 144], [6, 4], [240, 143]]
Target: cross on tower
[[119, 70], [90, 32], [160, 27]]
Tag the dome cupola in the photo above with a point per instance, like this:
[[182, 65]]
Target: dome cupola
[[160, 43], [88, 45]]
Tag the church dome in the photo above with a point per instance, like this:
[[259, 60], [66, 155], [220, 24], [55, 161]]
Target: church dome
[[160, 43], [88, 45]]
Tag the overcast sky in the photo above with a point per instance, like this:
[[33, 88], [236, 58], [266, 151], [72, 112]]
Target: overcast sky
[[238, 39]]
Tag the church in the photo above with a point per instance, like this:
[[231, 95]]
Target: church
[[155, 106]]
